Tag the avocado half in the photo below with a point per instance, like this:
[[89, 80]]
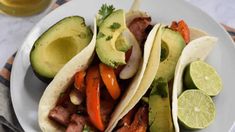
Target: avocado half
[[56, 46], [171, 48]]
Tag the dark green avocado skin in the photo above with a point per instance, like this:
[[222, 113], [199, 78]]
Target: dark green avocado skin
[[42, 78]]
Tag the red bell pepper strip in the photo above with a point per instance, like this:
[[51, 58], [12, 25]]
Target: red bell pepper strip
[[79, 81], [93, 80], [182, 27]]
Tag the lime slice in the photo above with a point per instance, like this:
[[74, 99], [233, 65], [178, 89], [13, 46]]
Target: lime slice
[[196, 110], [204, 77]]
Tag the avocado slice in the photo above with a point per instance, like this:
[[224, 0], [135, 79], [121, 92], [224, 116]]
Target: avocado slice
[[160, 119], [109, 31], [171, 48], [56, 46], [122, 43]]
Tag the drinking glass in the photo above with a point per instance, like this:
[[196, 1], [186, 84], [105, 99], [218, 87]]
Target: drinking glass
[[23, 7]]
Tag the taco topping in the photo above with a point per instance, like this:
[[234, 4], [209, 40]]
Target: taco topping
[[93, 97], [181, 27], [76, 123], [139, 123], [60, 115], [110, 81], [139, 27]]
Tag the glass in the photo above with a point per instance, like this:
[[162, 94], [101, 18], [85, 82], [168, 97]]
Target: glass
[[23, 7]]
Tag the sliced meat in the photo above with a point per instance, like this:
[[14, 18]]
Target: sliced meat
[[60, 115], [139, 123], [70, 106], [106, 108], [76, 124], [74, 127], [106, 105], [138, 27], [81, 109], [127, 119], [63, 97]]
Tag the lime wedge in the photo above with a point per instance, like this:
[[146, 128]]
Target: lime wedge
[[196, 110], [204, 77]]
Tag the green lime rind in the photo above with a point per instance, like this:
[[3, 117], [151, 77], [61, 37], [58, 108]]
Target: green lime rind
[[200, 75], [196, 109]]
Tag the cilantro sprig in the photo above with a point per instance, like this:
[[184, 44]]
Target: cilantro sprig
[[109, 38], [104, 12], [115, 26]]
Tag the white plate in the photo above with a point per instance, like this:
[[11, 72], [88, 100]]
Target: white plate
[[26, 89]]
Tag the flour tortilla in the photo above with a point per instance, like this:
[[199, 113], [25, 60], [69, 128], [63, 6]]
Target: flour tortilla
[[197, 49], [61, 82]]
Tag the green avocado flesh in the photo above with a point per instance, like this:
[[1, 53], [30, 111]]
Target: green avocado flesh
[[56, 46], [171, 48], [106, 39], [160, 119], [122, 43]]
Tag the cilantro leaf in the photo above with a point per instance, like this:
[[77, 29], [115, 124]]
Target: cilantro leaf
[[115, 26], [104, 12], [108, 38], [100, 35]]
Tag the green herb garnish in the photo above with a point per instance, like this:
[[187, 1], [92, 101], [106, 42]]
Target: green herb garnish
[[159, 87], [115, 26], [108, 38], [100, 35], [104, 12], [79, 112]]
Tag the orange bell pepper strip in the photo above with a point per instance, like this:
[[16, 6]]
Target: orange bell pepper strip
[[93, 80], [79, 81], [182, 27], [110, 81]]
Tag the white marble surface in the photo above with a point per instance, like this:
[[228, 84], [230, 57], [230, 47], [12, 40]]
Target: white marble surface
[[13, 30]]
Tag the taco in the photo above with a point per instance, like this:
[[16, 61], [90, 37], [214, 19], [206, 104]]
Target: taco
[[153, 107], [94, 87]]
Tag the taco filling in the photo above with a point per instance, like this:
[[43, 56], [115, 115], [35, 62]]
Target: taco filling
[[88, 103]]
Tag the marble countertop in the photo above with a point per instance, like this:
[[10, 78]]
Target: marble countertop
[[14, 29]]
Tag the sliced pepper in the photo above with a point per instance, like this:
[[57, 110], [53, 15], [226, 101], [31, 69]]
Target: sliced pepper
[[93, 80], [110, 80], [182, 27], [79, 80]]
